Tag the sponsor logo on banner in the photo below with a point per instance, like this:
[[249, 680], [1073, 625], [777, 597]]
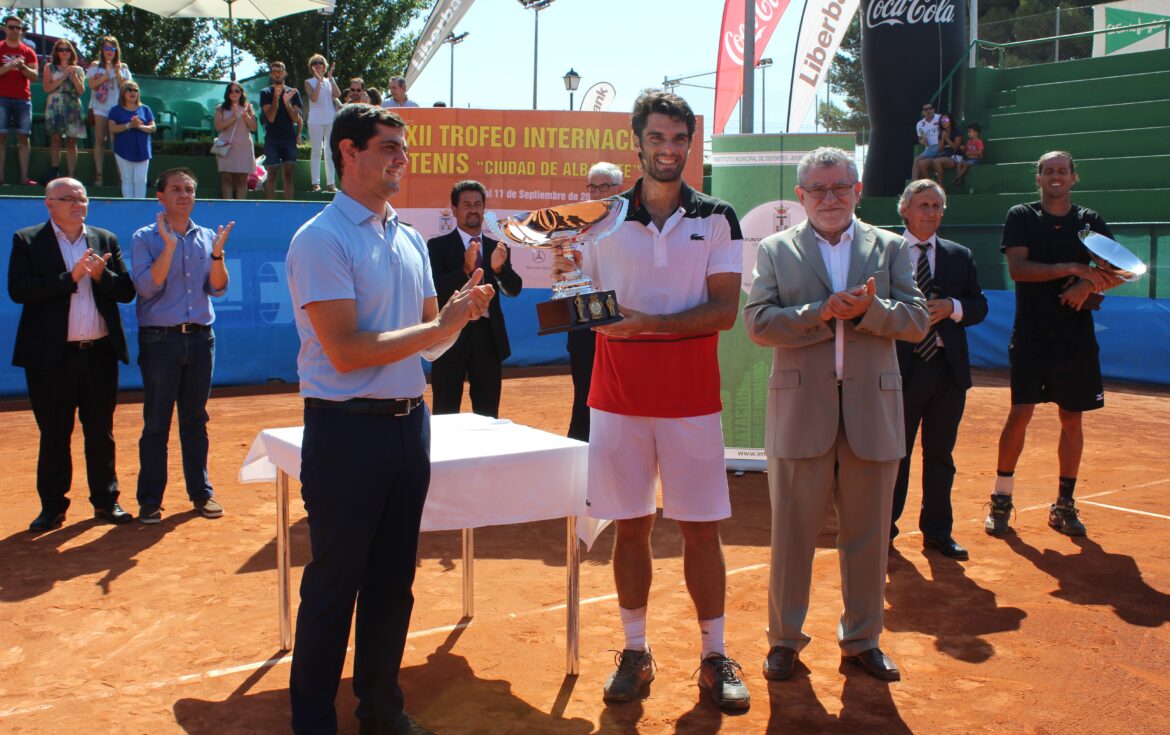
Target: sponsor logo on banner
[[909, 12], [821, 30], [598, 97], [758, 158], [729, 69], [441, 22], [1120, 16]]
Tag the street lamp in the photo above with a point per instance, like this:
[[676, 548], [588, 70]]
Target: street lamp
[[325, 12], [763, 65], [572, 80], [454, 40], [536, 6]]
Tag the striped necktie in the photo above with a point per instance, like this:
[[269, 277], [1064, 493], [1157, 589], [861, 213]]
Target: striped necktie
[[928, 347]]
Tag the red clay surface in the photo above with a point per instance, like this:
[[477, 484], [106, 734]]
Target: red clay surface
[[173, 628]]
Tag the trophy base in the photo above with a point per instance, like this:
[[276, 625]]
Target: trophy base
[[582, 311]]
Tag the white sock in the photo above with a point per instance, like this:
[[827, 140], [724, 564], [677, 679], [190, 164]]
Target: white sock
[[1004, 485], [634, 623], [711, 634]]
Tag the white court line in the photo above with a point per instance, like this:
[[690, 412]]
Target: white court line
[[1127, 510], [287, 659]]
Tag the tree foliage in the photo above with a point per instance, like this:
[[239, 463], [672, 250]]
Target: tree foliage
[[845, 81], [366, 39], [151, 44]]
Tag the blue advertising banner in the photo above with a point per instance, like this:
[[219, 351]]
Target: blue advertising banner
[[256, 340]]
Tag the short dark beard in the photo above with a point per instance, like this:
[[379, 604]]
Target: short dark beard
[[648, 164]]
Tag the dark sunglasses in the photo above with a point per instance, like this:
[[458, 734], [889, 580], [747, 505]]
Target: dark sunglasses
[[14, 28], [109, 48]]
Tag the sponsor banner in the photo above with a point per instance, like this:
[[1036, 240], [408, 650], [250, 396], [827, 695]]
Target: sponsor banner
[[442, 21], [822, 27], [764, 197], [598, 98], [1129, 13], [729, 69]]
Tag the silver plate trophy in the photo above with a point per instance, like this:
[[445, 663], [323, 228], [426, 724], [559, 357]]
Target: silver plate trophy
[[576, 302], [1112, 256]]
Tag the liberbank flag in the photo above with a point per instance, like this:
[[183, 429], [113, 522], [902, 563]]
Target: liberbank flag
[[1129, 13], [729, 69], [822, 26], [442, 21]]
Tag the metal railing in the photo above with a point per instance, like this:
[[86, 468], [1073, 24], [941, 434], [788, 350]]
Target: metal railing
[[945, 93]]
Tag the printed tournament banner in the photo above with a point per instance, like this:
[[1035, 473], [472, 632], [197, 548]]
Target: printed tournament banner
[[756, 174], [527, 159]]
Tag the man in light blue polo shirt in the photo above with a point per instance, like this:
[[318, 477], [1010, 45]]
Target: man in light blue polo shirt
[[177, 267], [365, 311]]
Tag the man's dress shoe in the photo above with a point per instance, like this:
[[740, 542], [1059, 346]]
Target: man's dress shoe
[[779, 663], [876, 664], [46, 521], [946, 546]]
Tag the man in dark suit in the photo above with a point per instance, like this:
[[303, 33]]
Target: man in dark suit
[[70, 279], [482, 346], [936, 372]]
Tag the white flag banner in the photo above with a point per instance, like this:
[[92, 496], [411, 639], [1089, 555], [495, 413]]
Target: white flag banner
[[441, 22], [822, 26]]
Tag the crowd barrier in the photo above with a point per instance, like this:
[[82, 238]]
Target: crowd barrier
[[257, 340]]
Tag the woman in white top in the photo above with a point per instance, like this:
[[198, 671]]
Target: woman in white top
[[105, 79], [323, 93]]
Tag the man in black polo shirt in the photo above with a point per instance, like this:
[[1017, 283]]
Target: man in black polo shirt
[[281, 105], [1053, 352]]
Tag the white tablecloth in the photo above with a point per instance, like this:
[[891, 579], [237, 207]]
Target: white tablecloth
[[484, 472]]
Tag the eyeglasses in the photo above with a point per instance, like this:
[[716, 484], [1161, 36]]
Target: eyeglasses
[[61, 50], [109, 48], [317, 63], [235, 91], [600, 188], [841, 191], [14, 28], [356, 91], [71, 200], [131, 91]]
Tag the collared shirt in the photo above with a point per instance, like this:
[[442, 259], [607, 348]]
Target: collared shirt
[[662, 271], [466, 244], [184, 295], [346, 252], [837, 259], [390, 103], [915, 251], [85, 322]]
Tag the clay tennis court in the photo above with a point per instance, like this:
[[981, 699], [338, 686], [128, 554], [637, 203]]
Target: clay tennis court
[[173, 628]]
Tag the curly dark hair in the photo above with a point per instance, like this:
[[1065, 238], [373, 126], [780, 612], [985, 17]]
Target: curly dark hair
[[666, 103]]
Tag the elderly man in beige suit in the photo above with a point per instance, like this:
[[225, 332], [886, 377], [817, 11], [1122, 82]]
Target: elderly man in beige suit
[[831, 296]]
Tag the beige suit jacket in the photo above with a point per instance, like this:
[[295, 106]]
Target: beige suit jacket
[[782, 312]]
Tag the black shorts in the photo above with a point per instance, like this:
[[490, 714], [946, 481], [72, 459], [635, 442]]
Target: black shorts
[[1065, 373]]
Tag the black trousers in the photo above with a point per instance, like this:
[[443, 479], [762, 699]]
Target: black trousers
[[582, 344], [473, 357], [931, 397], [364, 481], [84, 384]]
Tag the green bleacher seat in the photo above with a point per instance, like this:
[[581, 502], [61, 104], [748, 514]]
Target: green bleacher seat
[[193, 119]]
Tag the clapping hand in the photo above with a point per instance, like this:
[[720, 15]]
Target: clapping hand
[[164, 231], [221, 237], [849, 304], [469, 256], [89, 264], [499, 257], [466, 304]]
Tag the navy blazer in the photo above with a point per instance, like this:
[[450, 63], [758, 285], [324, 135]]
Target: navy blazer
[[446, 253], [954, 278], [39, 280]]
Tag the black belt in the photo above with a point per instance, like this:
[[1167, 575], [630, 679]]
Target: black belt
[[373, 406], [186, 328], [86, 344]]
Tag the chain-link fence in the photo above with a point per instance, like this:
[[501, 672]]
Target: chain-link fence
[[1058, 22]]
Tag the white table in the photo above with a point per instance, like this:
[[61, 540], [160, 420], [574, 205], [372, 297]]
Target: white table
[[484, 472]]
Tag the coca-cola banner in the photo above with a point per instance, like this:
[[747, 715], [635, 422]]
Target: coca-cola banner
[[908, 47], [729, 70], [822, 27]]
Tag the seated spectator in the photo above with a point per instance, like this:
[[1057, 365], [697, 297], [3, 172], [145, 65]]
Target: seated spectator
[[950, 149], [322, 92], [64, 83], [132, 124], [972, 152], [235, 121], [374, 96], [397, 96], [106, 76], [927, 130]]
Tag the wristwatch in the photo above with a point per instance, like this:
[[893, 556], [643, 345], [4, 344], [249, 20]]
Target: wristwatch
[[217, 257]]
